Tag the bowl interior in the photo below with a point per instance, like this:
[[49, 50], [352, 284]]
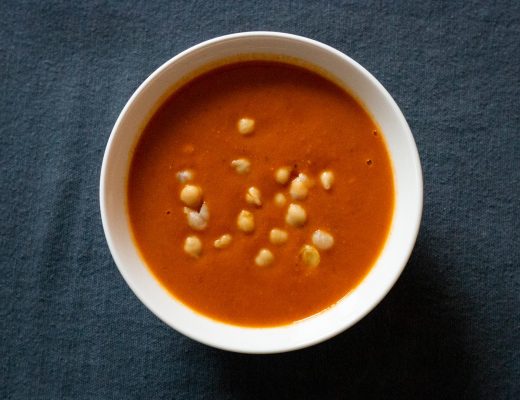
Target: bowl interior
[[405, 224]]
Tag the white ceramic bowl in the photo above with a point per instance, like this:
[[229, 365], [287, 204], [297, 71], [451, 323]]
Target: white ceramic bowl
[[353, 307]]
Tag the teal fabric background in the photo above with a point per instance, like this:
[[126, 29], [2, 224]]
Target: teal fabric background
[[71, 328]]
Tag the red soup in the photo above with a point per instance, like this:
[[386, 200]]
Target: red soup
[[260, 193]]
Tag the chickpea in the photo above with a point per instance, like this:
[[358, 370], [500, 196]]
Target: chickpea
[[296, 215], [264, 258], [298, 189], [191, 195], [327, 179], [279, 199], [184, 176], [242, 165], [282, 175], [197, 220], [253, 196], [223, 241], [278, 236], [246, 221], [322, 240], [310, 256], [246, 126], [193, 246]]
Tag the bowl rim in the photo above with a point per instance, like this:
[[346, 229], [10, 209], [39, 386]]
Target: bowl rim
[[275, 348]]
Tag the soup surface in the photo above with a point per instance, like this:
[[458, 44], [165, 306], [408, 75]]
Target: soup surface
[[302, 122]]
